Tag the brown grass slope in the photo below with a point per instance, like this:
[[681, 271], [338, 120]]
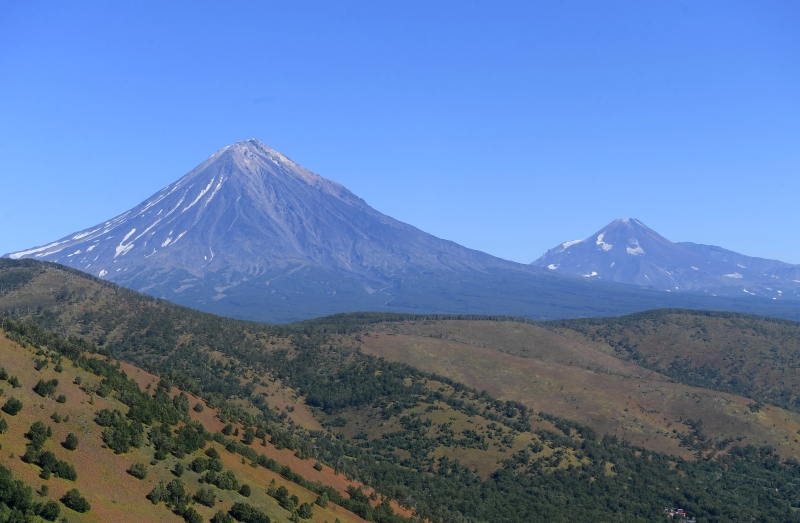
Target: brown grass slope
[[69, 303], [115, 495], [748, 355], [549, 373]]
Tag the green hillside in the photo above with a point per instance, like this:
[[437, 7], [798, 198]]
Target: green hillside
[[429, 445]]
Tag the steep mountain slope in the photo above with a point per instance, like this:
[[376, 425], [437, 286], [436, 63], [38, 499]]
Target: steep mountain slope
[[248, 210], [250, 234], [627, 251], [74, 408], [250, 214]]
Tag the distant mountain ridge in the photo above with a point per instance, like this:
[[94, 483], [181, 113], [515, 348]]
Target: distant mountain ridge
[[251, 234], [627, 251]]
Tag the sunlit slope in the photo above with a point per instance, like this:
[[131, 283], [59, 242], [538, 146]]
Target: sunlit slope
[[747, 355], [114, 494], [553, 374]]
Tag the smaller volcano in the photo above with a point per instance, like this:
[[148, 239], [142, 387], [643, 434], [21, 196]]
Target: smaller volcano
[[628, 251]]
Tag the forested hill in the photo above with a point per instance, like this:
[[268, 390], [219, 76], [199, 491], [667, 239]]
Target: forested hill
[[71, 416], [442, 450]]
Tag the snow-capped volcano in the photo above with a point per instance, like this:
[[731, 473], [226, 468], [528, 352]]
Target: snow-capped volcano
[[248, 209], [251, 234], [627, 251], [250, 215]]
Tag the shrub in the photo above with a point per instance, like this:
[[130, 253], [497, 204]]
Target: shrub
[[37, 435], [61, 398], [190, 515], [248, 513], [199, 465], [56, 417], [14, 381], [119, 434], [138, 470], [224, 480], [71, 443], [176, 492], [47, 460], [158, 494], [245, 491], [3, 425], [178, 469], [207, 497], [3, 373], [46, 388], [198, 407], [12, 406], [222, 517], [73, 499], [305, 511], [49, 511], [173, 493]]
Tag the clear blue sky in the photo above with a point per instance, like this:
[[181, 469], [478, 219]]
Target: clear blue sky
[[506, 127]]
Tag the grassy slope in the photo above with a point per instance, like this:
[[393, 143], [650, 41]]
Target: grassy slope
[[564, 378], [749, 355], [114, 494], [75, 305], [563, 374]]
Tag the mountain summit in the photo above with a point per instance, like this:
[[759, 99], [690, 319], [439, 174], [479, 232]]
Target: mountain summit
[[250, 215], [249, 209], [627, 251]]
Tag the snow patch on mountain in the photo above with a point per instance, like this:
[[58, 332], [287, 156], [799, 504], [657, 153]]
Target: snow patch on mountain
[[202, 192], [21, 254], [637, 251], [603, 245]]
